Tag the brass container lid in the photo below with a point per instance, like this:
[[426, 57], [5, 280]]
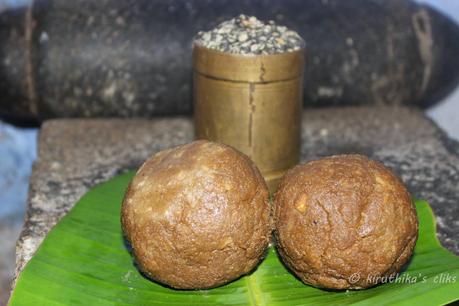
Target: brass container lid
[[248, 68]]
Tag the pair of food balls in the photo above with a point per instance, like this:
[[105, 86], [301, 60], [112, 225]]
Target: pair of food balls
[[198, 216]]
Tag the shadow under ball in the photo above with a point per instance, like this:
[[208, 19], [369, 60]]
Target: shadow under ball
[[253, 103]]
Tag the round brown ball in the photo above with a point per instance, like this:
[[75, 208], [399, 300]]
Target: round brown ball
[[344, 222], [197, 216]]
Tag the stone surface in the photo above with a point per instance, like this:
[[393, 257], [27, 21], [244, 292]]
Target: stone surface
[[111, 58], [75, 155]]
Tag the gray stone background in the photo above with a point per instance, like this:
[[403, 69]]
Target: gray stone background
[[18, 151]]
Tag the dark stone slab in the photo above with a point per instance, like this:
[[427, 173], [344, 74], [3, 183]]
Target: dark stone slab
[[75, 155], [62, 58]]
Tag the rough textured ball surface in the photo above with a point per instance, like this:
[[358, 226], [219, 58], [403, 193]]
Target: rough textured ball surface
[[344, 222], [197, 216]]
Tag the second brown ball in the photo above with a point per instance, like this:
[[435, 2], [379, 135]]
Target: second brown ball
[[344, 222]]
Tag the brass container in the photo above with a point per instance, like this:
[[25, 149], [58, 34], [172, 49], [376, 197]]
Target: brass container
[[253, 103]]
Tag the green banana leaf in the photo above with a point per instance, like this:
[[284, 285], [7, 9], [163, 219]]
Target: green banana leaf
[[83, 261]]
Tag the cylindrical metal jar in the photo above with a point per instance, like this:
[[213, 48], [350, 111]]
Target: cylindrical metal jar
[[253, 103]]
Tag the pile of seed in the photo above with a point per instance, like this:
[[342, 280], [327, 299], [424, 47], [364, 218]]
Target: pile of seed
[[248, 35]]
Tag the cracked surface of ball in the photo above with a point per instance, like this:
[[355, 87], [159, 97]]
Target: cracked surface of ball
[[344, 222], [197, 216]]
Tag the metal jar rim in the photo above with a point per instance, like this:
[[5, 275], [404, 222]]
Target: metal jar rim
[[248, 68]]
